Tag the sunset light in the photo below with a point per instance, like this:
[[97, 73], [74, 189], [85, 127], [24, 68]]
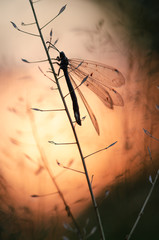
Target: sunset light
[[57, 165]]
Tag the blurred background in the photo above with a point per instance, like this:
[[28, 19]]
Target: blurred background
[[123, 34]]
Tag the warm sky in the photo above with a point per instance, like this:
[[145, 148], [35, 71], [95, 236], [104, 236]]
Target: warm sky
[[84, 30]]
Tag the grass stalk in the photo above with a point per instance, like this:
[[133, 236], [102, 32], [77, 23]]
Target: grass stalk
[[143, 207], [50, 173], [100, 227]]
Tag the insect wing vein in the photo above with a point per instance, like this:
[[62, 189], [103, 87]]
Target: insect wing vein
[[106, 94], [101, 72], [89, 110]]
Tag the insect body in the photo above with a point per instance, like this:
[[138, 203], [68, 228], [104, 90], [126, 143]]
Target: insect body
[[64, 67]]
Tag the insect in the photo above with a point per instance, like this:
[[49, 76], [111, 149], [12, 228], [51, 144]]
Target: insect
[[64, 66], [99, 78]]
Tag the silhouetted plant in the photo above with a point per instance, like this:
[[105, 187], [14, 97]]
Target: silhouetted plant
[[107, 95]]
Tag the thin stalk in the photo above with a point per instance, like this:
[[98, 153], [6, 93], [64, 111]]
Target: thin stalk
[[143, 207], [72, 126], [100, 150], [67, 208], [44, 160]]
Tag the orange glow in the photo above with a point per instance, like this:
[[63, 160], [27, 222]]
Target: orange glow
[[25, 151]]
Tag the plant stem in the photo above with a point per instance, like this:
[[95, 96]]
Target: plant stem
[[72, 126], [44, 160], [143, 207]]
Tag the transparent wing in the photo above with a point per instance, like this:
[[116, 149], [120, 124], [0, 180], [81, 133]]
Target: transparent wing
[[102, 73], [94, 82], [89, 110]]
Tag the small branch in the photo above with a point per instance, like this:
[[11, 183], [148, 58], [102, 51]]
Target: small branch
[[149, 153], [62, 143], [61, 165], [32, 34], [143, 207], [100, 150], [157, 107], [39, 61], [92, 179], [47, 110], [27, 24], [36, 1], [61, 10], [82, 119], [77, 86], [105, 196], [46, 76], [43, 195], [150, 135]]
